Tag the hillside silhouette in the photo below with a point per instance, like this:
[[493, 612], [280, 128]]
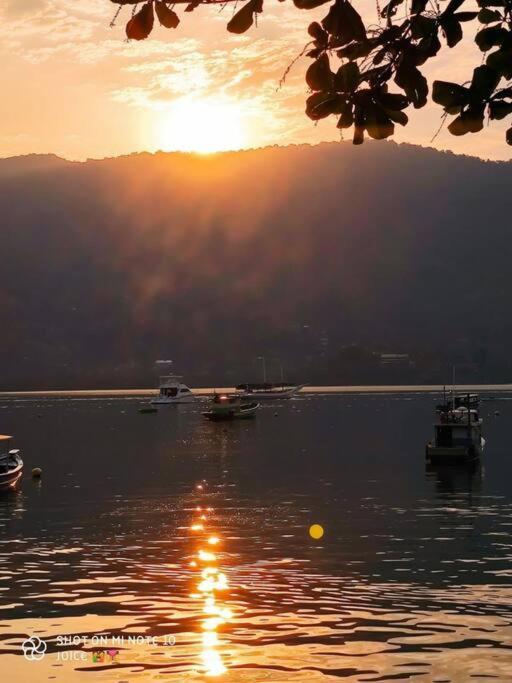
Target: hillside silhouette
[[321, 256]]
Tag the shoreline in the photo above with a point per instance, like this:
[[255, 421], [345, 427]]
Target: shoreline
[[348, 389]]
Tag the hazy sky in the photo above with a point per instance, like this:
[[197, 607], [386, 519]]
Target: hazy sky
[[73, 86]]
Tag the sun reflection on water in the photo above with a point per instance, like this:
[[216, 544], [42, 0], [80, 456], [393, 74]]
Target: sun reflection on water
[[210, 583]]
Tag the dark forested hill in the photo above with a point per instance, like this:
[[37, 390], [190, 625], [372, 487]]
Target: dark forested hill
[[323, 257]]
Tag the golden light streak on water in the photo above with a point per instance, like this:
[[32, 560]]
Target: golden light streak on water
[[210, 582]]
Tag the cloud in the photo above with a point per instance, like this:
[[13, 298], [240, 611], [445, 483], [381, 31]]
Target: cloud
[[15, 8]]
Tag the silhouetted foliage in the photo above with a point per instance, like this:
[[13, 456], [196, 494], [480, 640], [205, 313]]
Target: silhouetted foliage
[[354, 65]]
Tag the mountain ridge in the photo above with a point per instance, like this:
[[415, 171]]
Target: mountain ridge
[[323, 256]]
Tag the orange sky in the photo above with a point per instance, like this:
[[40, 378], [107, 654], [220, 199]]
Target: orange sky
[[73, 86]]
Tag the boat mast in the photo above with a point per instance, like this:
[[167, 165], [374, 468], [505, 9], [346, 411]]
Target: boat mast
[[282, 372], [262, 358]]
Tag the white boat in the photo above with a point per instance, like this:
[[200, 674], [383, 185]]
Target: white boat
[[171, 389], [11, 464], [457, 434], [268, 390]]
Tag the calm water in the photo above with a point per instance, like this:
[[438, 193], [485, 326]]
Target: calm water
[[119, 548]]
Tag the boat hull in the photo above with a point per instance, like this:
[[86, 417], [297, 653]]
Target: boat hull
[[9, 483], [270, 395], [10, 479], [243, 413], [158, 401], [438, 455]]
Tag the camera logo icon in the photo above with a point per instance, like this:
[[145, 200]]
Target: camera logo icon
[[33, 648]]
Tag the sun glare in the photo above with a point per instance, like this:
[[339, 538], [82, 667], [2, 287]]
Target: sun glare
[[202, 126]]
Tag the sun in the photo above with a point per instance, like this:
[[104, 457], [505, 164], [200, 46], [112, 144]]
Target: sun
[[203, 126]]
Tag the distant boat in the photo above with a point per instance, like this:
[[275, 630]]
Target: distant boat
[[171, 389], [224, 407], [268, 390], [11, 465], [457, 432]]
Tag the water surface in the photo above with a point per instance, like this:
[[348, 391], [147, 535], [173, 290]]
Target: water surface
[[182, 547]]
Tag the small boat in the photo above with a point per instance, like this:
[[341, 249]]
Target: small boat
[[457, 433], [11, 465], [224, 407], [268, 390], [171, 389]]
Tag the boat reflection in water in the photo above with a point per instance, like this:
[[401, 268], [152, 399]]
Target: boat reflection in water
[[210, 586]]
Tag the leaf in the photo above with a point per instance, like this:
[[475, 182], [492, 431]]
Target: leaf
[[343, 23], [423, 27], [356, 50], [465, 16], [317, 32], [315, 53], [492, 3], [489, 37], [488, 16], [427, 47], [418, 6], [244, 18], [452, 30], [166, 16], [378, 123], [309, 4], [499, 110], [392, 101], [501, 61], [348, 77], [451, 96], [469, 121], [413, 83], [319, 75], [391, 8], [141, 24], [398, 116], [508, 136], [458, 126], [347, 117], [359, 124], [192, 5], [321, 104], [484, 82]]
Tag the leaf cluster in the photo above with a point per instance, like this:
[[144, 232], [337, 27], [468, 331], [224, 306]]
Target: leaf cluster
[[367, 76]]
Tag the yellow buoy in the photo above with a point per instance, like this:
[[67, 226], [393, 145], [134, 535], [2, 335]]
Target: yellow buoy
[[316, 531], [36, 473]]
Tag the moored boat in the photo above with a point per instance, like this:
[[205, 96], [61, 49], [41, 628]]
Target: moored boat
[[457, 432], [268, 390], [11, 465], [171, 390], [224, 407]]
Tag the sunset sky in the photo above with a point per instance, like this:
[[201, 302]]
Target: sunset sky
[[75, 87]]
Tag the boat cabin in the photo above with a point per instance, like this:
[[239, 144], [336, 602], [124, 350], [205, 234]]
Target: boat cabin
[[174, 390], [5, 443], [458, 428]]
